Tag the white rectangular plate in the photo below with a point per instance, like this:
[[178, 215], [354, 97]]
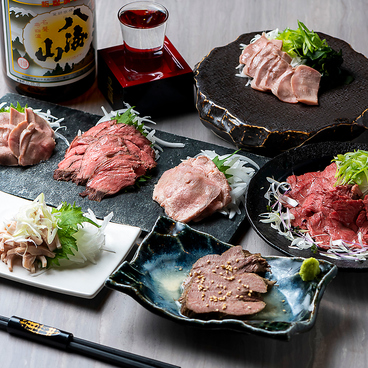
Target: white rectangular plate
[[84, 281]]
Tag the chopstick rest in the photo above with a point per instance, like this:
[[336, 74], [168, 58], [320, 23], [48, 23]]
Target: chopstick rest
[[66, 341]]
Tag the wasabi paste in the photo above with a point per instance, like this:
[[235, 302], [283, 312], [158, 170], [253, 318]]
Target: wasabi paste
[[309, 269]]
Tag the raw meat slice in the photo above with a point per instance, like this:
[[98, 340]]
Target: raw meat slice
[[193, 189], [305, 84]]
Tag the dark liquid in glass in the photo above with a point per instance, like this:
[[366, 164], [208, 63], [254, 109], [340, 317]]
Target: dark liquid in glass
[[142, 18], [136, 60]]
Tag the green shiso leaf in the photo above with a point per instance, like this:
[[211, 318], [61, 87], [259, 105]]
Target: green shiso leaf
[[69, 217], [17, 107], [129, 118], [221, 164]]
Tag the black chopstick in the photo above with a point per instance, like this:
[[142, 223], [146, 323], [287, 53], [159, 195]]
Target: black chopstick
[[66, 341]]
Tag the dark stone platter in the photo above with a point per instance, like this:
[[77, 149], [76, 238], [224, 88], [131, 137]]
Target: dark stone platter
[[258, 122], [134, 207]]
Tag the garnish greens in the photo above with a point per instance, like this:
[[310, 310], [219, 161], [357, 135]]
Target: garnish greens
[[315, 53], [220, 164], [352, 168], [18, 108], [68, 218], [129, 118]]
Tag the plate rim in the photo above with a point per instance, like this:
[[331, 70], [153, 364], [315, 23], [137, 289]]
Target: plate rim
[[258, 226]]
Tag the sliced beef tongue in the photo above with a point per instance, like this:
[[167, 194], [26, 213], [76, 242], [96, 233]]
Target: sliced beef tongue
[[36, 141], [7, 157], [219, 286], [192, 190], [270, 69], [25, 138]]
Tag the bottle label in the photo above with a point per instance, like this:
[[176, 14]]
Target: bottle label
[[49, 43]]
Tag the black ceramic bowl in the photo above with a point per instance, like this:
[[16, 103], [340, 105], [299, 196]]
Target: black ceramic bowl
[[164, 258], [296, 161]]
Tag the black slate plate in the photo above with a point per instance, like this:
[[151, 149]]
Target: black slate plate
[[259, 122], [134, 208], [296, 161]]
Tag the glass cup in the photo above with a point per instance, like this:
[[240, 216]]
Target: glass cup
[[143, 26]]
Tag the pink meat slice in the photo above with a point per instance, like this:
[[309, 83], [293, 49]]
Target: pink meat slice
[[275, 71], [268, 49], [15, 136], [191, 189], [282, 87], [305, 84], [112, 175], [16, 117], [262, 71], [36, 142], [7, 157], [105, 146], [250, 51], [5, 118], [99, 128]]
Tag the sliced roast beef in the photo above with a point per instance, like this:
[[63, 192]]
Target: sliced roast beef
[[112, 175], [106, 158], [192, 189], [105, 146]]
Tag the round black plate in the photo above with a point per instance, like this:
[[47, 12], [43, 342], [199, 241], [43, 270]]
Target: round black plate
[[297, 161]]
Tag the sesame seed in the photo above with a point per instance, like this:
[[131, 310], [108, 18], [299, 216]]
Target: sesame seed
[[208, 261], [224, 306]]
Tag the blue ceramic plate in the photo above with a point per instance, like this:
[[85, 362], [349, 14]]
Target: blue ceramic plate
[[153, 278]]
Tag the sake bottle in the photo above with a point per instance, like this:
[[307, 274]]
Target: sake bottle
[[49, 47]]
